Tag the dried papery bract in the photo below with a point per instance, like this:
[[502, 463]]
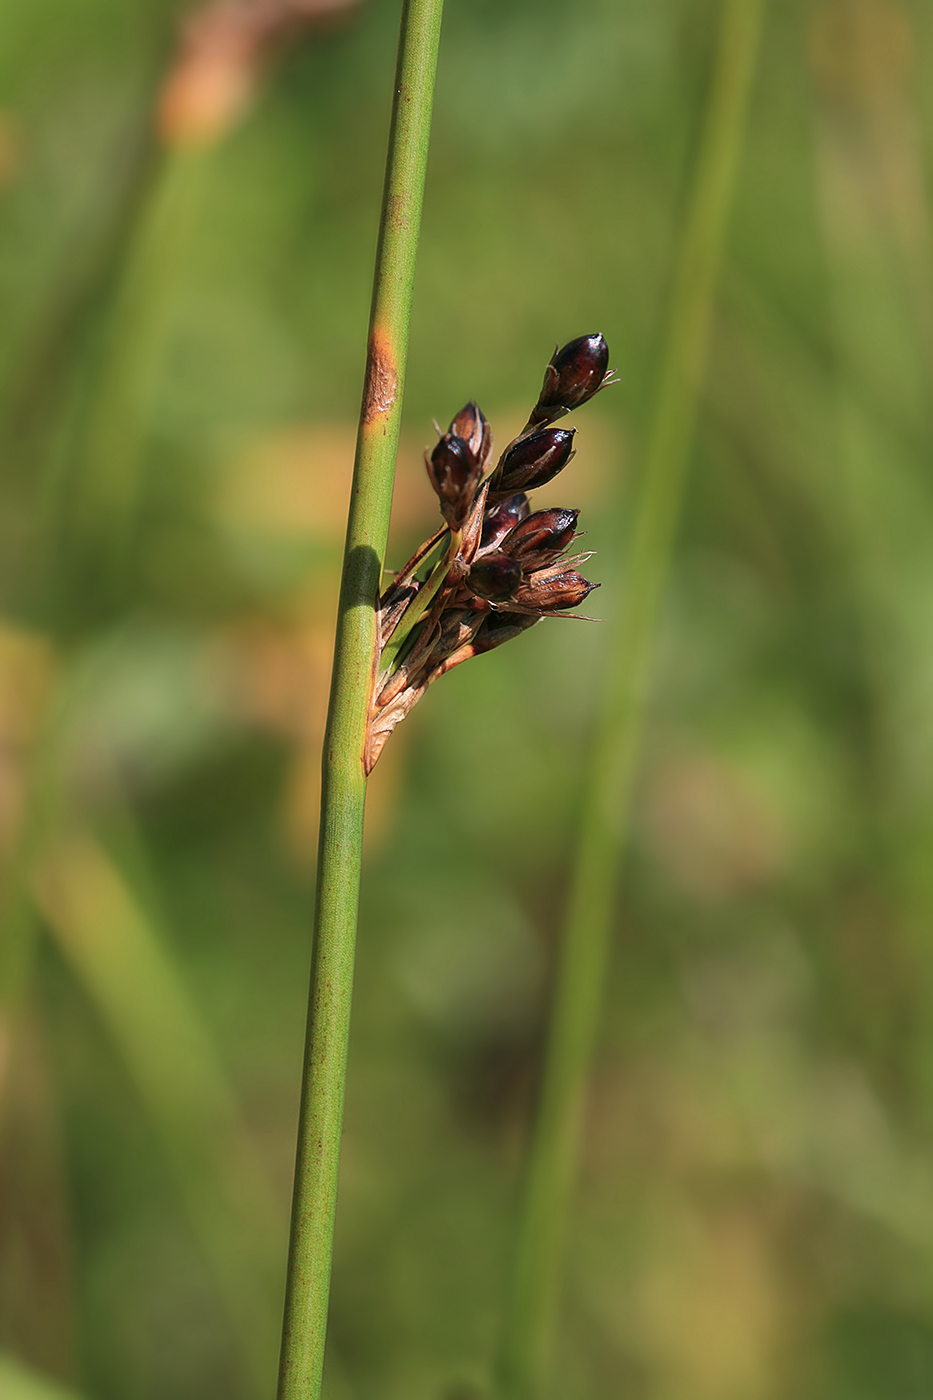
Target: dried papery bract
[[497, 568], [553, 590]]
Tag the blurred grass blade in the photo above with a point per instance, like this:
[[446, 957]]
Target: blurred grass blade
[[110, 455], [120, 961], [38, 814], [317, 1158], [55, 346], [583, 953], [876, 223], [876, 230], [20, 1382], [38, 1297]]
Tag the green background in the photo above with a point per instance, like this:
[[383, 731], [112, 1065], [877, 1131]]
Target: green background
[[181, 356]]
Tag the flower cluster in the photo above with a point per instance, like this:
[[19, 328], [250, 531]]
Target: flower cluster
[[495, 567]]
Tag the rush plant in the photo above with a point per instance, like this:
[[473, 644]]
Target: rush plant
[[493, 569], [343, 794]]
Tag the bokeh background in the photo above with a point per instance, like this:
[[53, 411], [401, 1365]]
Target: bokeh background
[[181, 354]]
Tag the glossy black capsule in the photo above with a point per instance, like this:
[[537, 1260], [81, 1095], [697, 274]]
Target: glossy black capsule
[[454, 472], [579, 368], [502, 518], [533, 460], [541, 538], [501, 627], [495, 577]]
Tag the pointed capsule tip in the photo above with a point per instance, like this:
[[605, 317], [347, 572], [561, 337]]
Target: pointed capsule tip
[[575, 373]]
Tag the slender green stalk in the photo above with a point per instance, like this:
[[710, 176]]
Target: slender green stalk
[[344, 783], [607, 796]]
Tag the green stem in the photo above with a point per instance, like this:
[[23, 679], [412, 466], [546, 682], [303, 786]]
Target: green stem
[[344, 784], [607, 797]]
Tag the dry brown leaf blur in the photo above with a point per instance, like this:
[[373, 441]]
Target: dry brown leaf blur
[[27, 668], [222, 50]]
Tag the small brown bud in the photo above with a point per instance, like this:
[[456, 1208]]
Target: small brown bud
[[471, 425], [501, 627], [552, 590], [502, 518], [577, 371], [541, 538], [495, 577], [456, 465], [533, 460]]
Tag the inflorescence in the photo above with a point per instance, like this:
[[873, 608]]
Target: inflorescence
[[494, 568]]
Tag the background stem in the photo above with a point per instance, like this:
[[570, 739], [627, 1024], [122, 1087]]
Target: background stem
[[607, 796], [344, 784]]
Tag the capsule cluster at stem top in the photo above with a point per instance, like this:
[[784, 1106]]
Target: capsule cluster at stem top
[[506, 566]]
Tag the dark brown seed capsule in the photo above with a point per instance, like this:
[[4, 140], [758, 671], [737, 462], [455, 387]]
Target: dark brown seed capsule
[[533, 460], [495, 577], [498, 521], [553, 589], [541, 538], [577, 371], [501, 627], [454, 472], [471, 426]]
